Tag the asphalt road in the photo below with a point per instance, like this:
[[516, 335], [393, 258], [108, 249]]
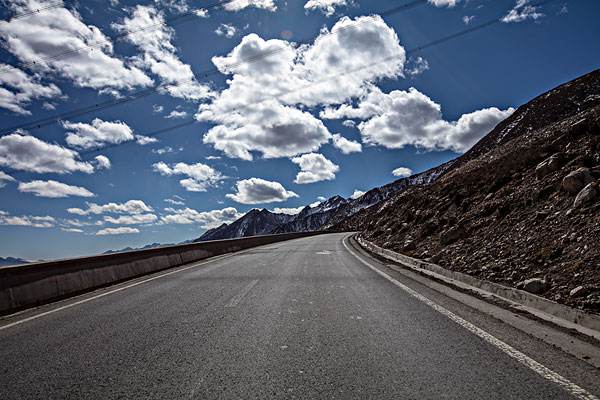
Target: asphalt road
[[301, 319]]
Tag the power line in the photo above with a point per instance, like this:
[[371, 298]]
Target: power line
[[206, 73], [325, 79], [37, 10], [146, 92]]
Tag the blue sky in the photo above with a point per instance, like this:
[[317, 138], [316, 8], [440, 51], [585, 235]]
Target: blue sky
[[305, 99]]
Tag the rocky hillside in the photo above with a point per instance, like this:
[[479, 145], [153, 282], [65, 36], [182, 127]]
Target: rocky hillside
[[521, 208]]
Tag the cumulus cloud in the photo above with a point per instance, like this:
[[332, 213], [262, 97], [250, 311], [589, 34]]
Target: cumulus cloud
[[206, 219], [346, 146], [97, 134], [521, 12], [27, 220], [467, 19], [144, 140], [4, 177], [314, 168], [176, 6], [53, 189], [199, 176], [102, 162], [416, 66], [159, 54], [135, 219], [357, 193], [443, 3], [129, 207], [117, 231], [402, 172], [401, 118], [58, 31], [176, 201], [227, 30], [176, 114], [259, 110], [27, 153], [288, 210], [17, 89], [327, 7], [257, 191], [238, 5]]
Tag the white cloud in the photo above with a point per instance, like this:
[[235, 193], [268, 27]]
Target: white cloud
[[102, 162], [175, 202], [443, 3], [177, 6], [59, 31], [72, 230], [157, 109], [257, 191], [159, 55], [129, 207], [144, 140], [163, 150], [206, 219], [200, 176], [27, 153], [17, 89], [117, 231], [401, 118], [97, 134], [257, 111], [27, 220], [467, 19], [289, 211], [201, 12], [53, 189], [349, 123], [357, 193], [4, 177], [402, 172], [346, 146], [227, 30], [238, 5], [135, 219], [327, 7], [416, 66], [176, 114], [314, 168], [521, 12]]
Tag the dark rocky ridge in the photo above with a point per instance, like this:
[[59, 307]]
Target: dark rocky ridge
[[505, 211]]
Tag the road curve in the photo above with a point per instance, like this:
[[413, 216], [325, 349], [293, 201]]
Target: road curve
[[303, 319]]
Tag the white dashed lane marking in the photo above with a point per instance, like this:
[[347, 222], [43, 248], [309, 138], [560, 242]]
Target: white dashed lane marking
[[238, 297]]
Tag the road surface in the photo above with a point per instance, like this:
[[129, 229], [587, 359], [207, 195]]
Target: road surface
[[303, 319]]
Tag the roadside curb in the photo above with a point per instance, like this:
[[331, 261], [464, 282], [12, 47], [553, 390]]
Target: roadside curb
[[547, 310]]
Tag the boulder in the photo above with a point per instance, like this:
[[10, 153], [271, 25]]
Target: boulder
[[586, 196], [577, 180], [452, 235], [549, 165], [583, 290], [533, 285]]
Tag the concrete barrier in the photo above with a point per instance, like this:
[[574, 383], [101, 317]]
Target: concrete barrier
[[548, 310], [29, 285]]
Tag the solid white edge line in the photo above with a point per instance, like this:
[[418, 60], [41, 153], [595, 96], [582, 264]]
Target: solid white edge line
[[36, 316], [529, 362]]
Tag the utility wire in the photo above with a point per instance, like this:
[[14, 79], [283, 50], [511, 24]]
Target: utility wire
[[39, 123], [146, 92], [282, 94]]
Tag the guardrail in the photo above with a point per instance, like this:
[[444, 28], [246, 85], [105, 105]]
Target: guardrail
[[29, 285], [548, 310]]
